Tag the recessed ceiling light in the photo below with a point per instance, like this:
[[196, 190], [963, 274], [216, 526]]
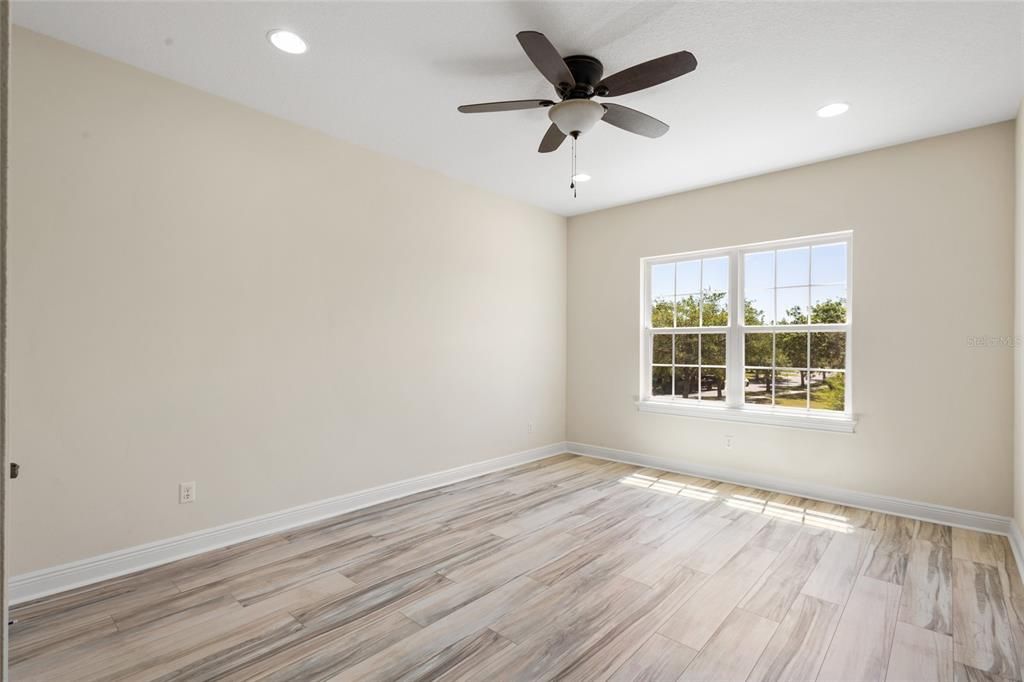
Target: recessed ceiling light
[[286, 41], [581, 177], [834, 109]]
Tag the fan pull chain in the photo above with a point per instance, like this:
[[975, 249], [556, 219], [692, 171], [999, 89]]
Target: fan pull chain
[[572, 176]]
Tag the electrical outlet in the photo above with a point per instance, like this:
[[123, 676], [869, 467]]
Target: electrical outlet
[[186, 492], [529, 427], [728, 441]]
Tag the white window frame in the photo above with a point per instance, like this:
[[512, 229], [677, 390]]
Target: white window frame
[[733, 408]]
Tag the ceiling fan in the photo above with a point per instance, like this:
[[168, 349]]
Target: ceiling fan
[[579, 78]]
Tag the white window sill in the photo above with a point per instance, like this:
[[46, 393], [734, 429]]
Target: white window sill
[[752, 415]]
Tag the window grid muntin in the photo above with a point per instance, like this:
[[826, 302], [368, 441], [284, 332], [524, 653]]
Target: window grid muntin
[[678, 331], [775, 368], [677, 296]]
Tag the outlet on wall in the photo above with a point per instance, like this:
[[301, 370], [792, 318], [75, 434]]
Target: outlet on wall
[[529, 427], [186, 492], [728, 441]]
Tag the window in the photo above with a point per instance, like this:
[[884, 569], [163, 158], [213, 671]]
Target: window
[[753, 333], [691, 298]]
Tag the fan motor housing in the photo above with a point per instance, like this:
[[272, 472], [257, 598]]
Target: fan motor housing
[[587, 71]]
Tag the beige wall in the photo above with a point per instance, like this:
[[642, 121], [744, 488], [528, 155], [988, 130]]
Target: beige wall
[[932, 265], [202, 292]]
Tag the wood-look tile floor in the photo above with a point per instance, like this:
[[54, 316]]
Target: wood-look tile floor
[[568, 568]]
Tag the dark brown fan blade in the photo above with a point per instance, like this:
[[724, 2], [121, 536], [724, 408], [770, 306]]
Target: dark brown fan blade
[[505, 106], [632, 120], [546, 58], [552, 140], [647, 74]]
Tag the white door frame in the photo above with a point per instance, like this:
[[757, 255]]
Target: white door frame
[[5, 60]]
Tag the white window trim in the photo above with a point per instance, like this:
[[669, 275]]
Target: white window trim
[[733, 407]]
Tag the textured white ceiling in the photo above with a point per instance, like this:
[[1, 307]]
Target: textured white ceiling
[[389, 75]]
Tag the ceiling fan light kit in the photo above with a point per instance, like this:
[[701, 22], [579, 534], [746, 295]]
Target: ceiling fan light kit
[[579, 78], [576, 116]]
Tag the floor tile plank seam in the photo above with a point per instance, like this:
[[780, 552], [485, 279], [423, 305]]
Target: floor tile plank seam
[[637, 615], [711, 639], [724, 620], [765, 650], [750, 591], [779, 622], [892, 640], [612, 673], [839, 620]]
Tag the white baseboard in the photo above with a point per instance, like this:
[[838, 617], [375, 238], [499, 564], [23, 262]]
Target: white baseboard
[[47, 581], [950, 516], [1016, 538]]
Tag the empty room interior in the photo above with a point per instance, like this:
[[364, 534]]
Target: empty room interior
[[494, 340]]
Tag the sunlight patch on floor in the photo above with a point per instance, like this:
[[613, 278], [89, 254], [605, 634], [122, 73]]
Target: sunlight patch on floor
[[786, 512], [669, 487]]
